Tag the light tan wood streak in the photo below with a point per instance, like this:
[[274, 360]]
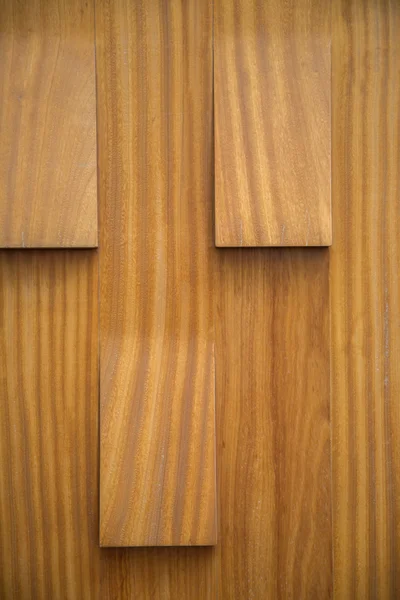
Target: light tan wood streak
[[157, 464], [272, 79], [365, 299], [48, 425], [48, 171], [272, 343]]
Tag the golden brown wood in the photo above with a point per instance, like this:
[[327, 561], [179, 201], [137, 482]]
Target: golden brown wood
[[272, 421], [158, 573], [272, 344], [365, 299], [272, 81], [48, 186], [157, 460], [48, 425]]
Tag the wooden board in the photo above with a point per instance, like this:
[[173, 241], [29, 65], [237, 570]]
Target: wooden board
[[48, 425], [272, 88], [157, 413], [272, 344], [48, 171], [158, 573], [365, 299]]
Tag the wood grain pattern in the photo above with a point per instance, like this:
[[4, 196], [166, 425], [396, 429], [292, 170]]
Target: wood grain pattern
[[365, 299], [272, 343], [48, 171], [272, 82], [48, 425], [157, 465], [272, 422], [158, 573]]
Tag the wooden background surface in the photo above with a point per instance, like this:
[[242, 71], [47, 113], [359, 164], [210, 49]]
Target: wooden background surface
[[307, 378]]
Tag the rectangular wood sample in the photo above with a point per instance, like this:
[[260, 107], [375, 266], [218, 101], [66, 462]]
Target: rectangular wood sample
[[157, 410], [272, 96], [48, 162]]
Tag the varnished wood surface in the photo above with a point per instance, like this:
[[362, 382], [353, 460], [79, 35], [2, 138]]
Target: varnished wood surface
[[273, 424], [157, 411], [48, 177], [48, 495], [272, 78], [48, 425], [365, 299]]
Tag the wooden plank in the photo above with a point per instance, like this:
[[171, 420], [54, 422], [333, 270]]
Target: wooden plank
[[157, 463], [158, 573], [272, 345], [272, 82], [365, 299], [48, 172], [48, 425]]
